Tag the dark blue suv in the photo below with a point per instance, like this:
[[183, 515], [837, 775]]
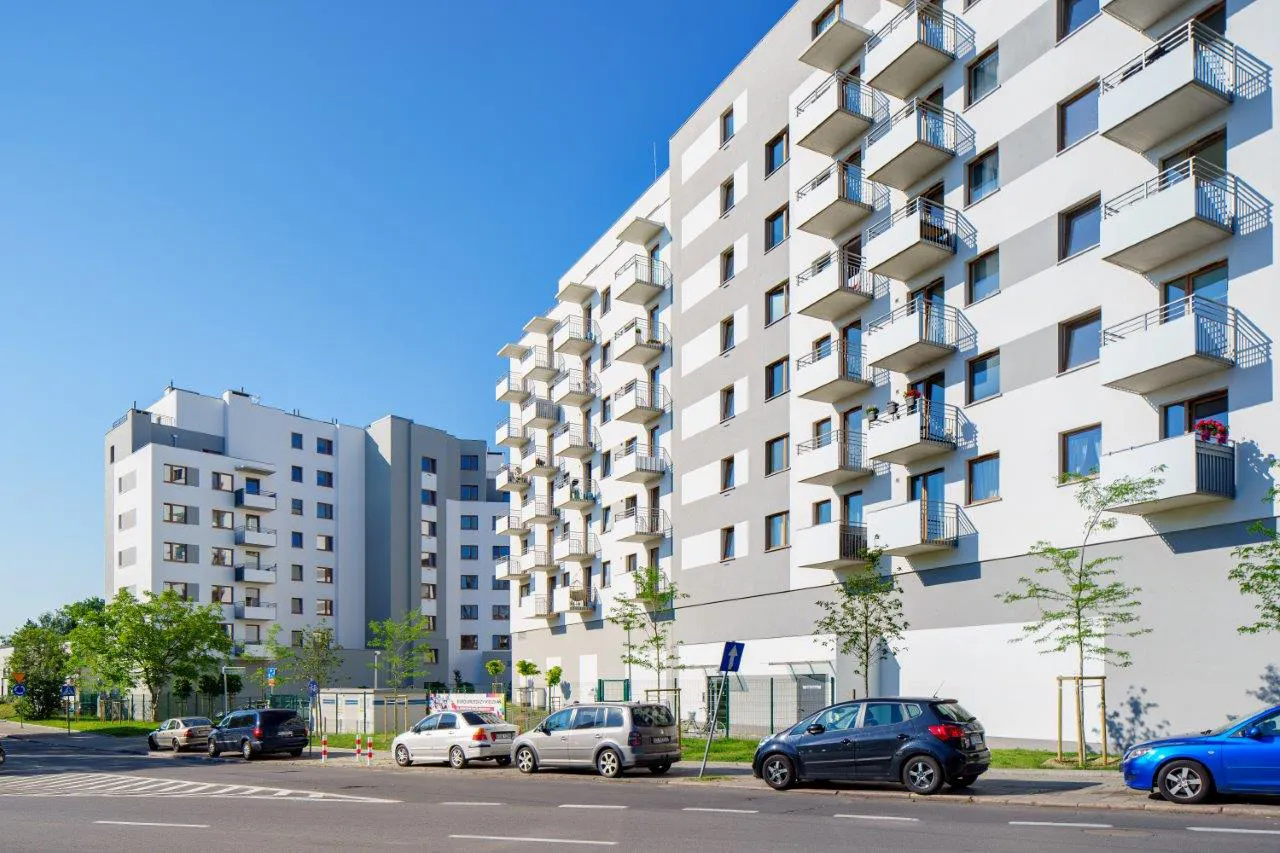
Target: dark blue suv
[[259, 732], [920, 743]]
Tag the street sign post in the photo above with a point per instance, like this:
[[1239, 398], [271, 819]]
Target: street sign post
[[19, 689], [68, 698], [730, 660], [226, 698], [19, 677]]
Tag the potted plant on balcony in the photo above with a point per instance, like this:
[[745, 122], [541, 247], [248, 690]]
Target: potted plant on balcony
[[872, 413], [912, 397], [1210, 429]]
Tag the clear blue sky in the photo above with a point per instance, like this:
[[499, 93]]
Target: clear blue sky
[[344, 207]]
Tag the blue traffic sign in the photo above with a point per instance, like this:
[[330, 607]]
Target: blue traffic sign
[[68, 692], [732, 657], [271, 672], [313, 688], [19, 690]]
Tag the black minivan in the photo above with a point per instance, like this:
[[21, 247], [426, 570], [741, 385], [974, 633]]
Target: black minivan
[[261, 732]]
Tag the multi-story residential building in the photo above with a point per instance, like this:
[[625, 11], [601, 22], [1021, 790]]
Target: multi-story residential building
[[926, 260], [294, 522]]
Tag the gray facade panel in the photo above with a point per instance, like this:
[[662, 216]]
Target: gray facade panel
[[1029, 359], [1028, 252], [1029, 146], [1028, 40]]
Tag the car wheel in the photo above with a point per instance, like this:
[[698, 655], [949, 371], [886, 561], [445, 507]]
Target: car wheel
[[457, 758], [659, 769], [1185, 782], [296, 753], [152, 746], [403, 758], [609, 763], [246, 750], [504, 761], [213, 750], [778, 772], [177, 747], [526, 761], [962, 781], [922, 775]]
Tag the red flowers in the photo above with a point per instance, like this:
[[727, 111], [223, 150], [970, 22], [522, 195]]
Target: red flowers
[[1209, 429]]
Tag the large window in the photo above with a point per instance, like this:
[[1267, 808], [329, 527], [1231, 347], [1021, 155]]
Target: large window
[[984, 176], [1074, 14], [775, 153], [777, 530], [324, 446], [175, 552], [1180, 418], [295, 440], [1078, 117], [1081, 450], [822, 512], [775, 304], [776, 229], [177, 587], [470, 611], [428, 465], [984, 478], [470, 462], [324, 606], [295, 473], [984, 276], [324, 510], [470, 522], [324, 542], [175, 513], [469, 581], [1080, 341], [776, 454], [428, 497], [776, 380], [984, 376], [470, 492], [176, 474], [470, 552], [1079, 229], [325, 479], [983, 76]]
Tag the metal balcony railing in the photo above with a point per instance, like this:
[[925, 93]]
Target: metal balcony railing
[[540, 508], [543, 358], [649, 521], [1217, 325], [536, 557], [851, 449], [511, 382], [1219, 64], [513, 473], [577, 327], [1216, 468], [936, 324], [853, 541], [853, 273], [646, 458], [541, 605], [939, 422], [577, 542], [579, 488], [644, 332], [575, 435], [938, 224], [582, 598], [934, 27], [256, 602], [851, 186], [939, 521], [1220, 196], [855, 97], [852, 360], [644, 394], [935, 125], [569, 381], [536, 456], [510, 429], [241, 568], [537, 407], [645, 269], [242, 529]]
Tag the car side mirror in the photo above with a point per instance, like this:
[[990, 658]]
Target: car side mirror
[[816, 729], [545, 729], [1253, 732], [416, 730]]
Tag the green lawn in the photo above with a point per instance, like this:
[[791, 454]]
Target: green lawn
[[742, 749], [722, 749], [381, 742], [1038, 758], [110, 728]]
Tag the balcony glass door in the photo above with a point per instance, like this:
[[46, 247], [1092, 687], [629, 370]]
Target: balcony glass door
[[1213, 330], [933, 398], [930, 489], [851, 336], [929, 307], [252, 522], [252, 486], [851, 508], [851, 428]]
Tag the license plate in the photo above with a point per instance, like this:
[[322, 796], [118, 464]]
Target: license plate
[[975, 741], [502, 736], [663, 739]]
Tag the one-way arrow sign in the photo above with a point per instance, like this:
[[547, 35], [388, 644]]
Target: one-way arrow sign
[[732, 657]]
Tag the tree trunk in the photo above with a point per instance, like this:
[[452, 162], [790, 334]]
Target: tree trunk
[[1080, 707]]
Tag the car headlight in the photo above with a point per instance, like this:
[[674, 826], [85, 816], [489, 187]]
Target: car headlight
[[1136, 752]]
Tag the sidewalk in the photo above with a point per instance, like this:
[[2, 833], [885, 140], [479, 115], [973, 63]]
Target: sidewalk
[[50, 736]]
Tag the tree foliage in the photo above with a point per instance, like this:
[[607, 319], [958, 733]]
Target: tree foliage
[[40, 654], [654, 649], [401, 643], [318, 657], [527, 668], [1257, 573], [865, 619], [68, 616], [495, 668]]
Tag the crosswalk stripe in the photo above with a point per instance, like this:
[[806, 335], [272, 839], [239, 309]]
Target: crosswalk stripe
[[121, 785]]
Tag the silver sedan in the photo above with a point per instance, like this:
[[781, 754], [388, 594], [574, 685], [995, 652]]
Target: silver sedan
[[458, 737], [181, 733]]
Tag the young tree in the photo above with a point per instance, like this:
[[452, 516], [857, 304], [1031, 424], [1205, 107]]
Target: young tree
[[865, 618], [403, 653], [654, 650], [1081, 603], [527, 668], [40, 654], [495, 668], [554, 676], [1257, 573], [318, 658], [275, 654]]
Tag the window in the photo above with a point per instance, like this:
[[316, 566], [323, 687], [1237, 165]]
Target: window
[[470, 492], [1080, 452], [470, 612], [822, 512], [500, 585], [428, 464], [984, 276], [606, 463], [776, 229], [470, 462], [1180, 418], [324, 542], [295, 440], [1078, 117], [295, 639], [223, 595], [471, 522], [175, 474], [727, 407], [983, 76], [223, 519], [324, 606], [1080, 341], [222, 556], [726, 126], [775, 154], [470, 581], [632, 562], [431, 656], [984, 479], [606, 356], [428, 592], [726, 334], [606, 410], [428, 559], [176, 587], [1079, 229], [606, 573], [324, 446], [776, 455], [325, 479], [777, 530], [295, 539], [984, 376], [827, 19], [726, 265], [775, 304], [175, 552], [727, 544], [726, 197], [470, 642], [501, 642], [499, 551], [174, 513], [726, 474], [429, 622], [428, 497], [295, 506], [1074, 14], [501, 613], [324, 510], [606, 300], [221, 482], [295, 605], [984, 176], [470, 552], [295, 572], [324, 574], [775, 379], [295, 473]]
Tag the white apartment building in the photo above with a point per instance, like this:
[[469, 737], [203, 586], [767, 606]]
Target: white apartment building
[[291, 521], [924, 259]]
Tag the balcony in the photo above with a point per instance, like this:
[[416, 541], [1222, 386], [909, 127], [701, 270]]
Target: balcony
[[575, 293], [256, 610], [513, 349], [917, 237], [915, 142], [509, 568], [511, 479], [1182, 210], [641, 231], [538, 413], [510, 434], [255, 574], [835, 40], [511, 389], [255, 537], [831, 372], [640, 342], [1140, 14], [914, 431], [916, 527], [541, 365], [582, 599], [641, 525], [1185, 78], [574, 388], [641, 280], [833, 459], [575, 336], [913, 48], [540, 511], [648, 586], [640, 402], [541, 324], [536, 607], [640, 463], [575, 493], [577, 547], [251, 650], [1195, 472], [574, 441], [834, 115], [835, 285], [509, 525], [538, 560], [1174, 343], [913, 335], [837, 200], [831, 546], [536, 461], [257, 501]]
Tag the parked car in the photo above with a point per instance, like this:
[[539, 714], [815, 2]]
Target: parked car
[[609, 736], [1, 755], [458, 737], [1241, 757], [259, 732], [181, 733], [921, 743]]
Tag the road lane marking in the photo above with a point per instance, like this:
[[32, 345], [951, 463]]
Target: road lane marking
[[461, 803], [1060, 823], [722, 811], [534, 840], [1233, 830], [588, 806], [68, 785], [880, 817], [143, 823]]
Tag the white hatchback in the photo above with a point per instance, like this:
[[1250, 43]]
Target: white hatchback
[[457, 737]]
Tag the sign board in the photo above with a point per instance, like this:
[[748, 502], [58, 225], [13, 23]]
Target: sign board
[[313, 688], [20, 690], [271, 672], [68, 692], [19, 677], [271, 682], [489, 703], [731, 659]]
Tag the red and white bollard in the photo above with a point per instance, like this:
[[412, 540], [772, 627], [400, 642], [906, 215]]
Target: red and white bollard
[[324, 749], [370, 750]]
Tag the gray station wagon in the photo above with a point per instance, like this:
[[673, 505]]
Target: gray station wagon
[[609, 736]]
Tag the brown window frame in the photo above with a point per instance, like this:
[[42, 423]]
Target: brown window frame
[[1062, 450], [968, 485], [1064, 337]]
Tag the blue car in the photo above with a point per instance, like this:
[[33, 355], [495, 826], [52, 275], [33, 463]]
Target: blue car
[[1242, 757], [922, 743]]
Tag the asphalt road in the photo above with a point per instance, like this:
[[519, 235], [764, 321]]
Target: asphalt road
[[57, 798]]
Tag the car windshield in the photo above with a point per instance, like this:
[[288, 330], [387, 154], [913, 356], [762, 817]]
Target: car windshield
[[1231, 723], [476, 718], [652, 715], [953, 711], [196, 721]]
